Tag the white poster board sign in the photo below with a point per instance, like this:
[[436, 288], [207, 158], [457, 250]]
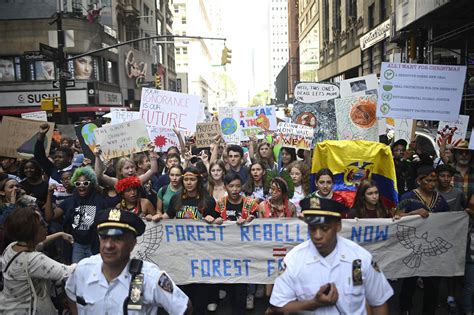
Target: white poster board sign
[[40, 115], [402, 128], [312, 92], [255, 120], [230, 129], [197, 252], [420, 91], [122, 139], [168, 109], [294, 136], [117, 117], [360, 86], [453, 131]]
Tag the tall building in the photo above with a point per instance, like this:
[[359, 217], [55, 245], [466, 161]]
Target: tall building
[[308, 40], [193, 57], [278, 39], [293, 47]]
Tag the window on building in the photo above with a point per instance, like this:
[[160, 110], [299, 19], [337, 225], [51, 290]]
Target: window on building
[[183, 20], [383, 52], [147, 44], [383, 11], [326, 20], [185, 50], [337, 14], [370, 53], [371, 16], [146, 13], [112, 72], [176, 9], [178, 51], [352, 8]]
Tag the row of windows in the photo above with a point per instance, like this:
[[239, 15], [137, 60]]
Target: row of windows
[[85, 68], [178, 50]]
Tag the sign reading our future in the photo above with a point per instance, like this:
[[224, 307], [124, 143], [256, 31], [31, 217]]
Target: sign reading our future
[[420, 91], [197, 252]]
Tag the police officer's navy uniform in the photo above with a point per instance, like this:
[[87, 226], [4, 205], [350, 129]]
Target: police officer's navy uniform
[[349, 266], [138, 293]]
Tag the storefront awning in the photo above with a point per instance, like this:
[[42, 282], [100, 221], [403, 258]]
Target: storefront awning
[[70, 109]]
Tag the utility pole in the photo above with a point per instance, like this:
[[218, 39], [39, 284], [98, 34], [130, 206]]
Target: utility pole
[[61, 61]]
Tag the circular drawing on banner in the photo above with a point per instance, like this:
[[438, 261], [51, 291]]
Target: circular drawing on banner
[[263, 122], [363, 113], [307, 119], [228, 126]]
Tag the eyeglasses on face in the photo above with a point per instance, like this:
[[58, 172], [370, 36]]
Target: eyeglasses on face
[[85, 183]]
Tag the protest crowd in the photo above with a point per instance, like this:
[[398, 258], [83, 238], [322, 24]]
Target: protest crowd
[[63, 215]]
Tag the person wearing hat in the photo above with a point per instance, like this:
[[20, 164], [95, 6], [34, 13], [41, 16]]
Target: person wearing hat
[[112, 283], [464, 179], [329, 274]]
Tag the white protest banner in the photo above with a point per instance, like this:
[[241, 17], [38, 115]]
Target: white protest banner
[[254, 120], [18, 137], [40, 115], [122, 139], [312, 92], [294, 136], [356, 119], [118, 117], [420, 91], [360, 86], [170, 110], [197, 252], [471, 142], [206, 134], [453, 131], [230, 129]]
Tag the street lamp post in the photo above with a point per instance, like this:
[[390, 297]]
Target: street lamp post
[[61, 61]]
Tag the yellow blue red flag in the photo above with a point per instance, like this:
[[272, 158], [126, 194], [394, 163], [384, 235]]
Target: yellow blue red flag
[[352, 161]]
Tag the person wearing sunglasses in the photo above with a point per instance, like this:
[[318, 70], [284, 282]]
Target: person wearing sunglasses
[[79, 212]]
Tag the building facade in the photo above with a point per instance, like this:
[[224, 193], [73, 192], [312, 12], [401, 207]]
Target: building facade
[[278, 40]]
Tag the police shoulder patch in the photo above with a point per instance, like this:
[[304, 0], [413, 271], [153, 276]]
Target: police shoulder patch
[[282, 268], [375, 266], [165, 283]]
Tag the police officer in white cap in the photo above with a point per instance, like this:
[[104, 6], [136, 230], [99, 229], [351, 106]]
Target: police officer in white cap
[[329, 274], [112, 283]]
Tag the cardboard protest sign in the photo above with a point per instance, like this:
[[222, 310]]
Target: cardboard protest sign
[[356, 118], [117, 117], [255, 120], [420, 91], [453, 131], [294, 136], [312, 92], [230, 129], [254, 253], [164, 110], [67, 131], [360, 86], [86, 136], [206, 133], [40, 115], [18, 137], [122, 139]]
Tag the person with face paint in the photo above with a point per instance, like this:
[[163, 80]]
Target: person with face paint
[[421, 201], [367, 202], [329, 274], [128, 188]]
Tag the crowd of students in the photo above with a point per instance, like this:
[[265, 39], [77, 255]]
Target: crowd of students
[[226, 182]]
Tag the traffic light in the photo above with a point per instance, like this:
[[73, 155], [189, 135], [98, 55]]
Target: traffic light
[[158, 81], [226, 56]]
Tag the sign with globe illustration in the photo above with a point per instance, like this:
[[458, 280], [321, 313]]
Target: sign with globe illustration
[[86, 137], [228, 126]]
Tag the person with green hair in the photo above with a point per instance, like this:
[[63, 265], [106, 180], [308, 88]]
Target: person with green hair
[[79, 212]]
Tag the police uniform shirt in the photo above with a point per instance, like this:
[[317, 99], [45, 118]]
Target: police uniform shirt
[[306, 271], [89, 288]]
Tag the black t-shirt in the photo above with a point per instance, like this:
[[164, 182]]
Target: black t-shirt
[[234, 211], [40, 191], [190, 210]]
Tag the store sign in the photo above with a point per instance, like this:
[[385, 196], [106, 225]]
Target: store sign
[[33, 98], [376, 35], [110, 98]]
